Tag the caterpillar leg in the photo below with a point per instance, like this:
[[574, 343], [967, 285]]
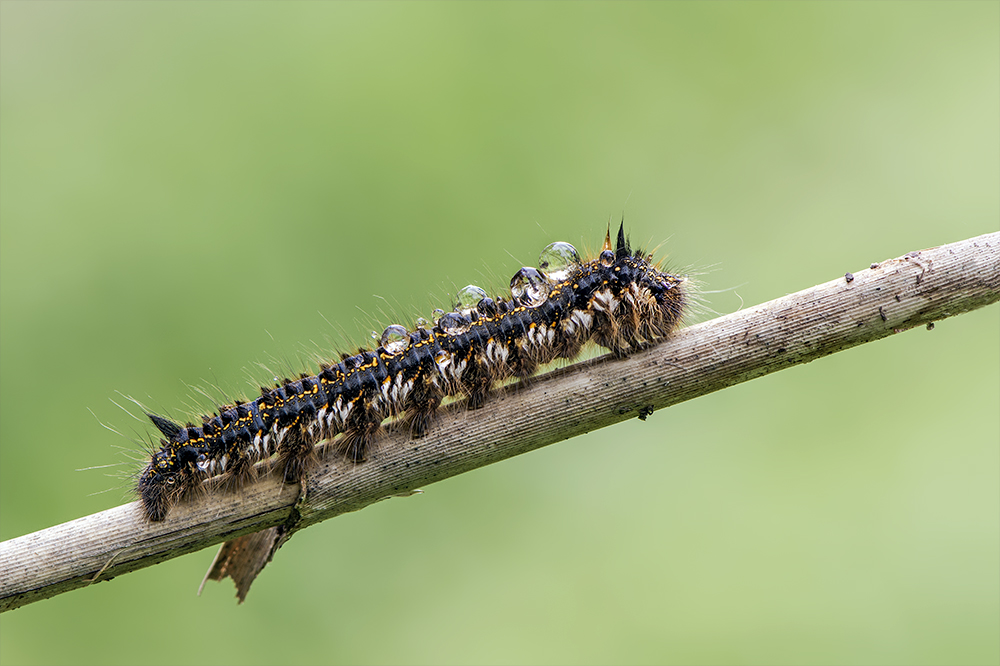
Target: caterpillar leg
[[296, 455], [362, 427], [420, 410]]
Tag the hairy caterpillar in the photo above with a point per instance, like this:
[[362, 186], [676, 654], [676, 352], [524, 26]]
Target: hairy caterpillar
[[620, 300]]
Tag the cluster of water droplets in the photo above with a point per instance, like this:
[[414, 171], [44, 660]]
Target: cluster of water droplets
[[529, 287]]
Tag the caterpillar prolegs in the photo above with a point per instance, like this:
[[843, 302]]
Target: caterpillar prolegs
[[620, 300]]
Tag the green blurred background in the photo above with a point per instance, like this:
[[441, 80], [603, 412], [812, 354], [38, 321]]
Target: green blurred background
[[189, 190]]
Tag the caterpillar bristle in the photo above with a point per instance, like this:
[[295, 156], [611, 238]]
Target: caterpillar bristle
[[165, 426], [622, 249], [621, 300]]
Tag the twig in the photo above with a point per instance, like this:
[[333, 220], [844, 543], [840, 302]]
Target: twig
[[914, 290]]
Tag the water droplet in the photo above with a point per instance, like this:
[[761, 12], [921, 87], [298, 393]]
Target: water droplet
[[395, 339], [607, 258], [423, 323], [467, 297], [454, 324], [374, 336], [529, 286], [558, 260]]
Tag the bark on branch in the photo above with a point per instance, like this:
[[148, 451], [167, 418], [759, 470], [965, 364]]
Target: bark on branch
[[899, 294]]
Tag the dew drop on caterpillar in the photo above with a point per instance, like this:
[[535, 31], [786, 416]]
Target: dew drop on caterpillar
[[620, 300]]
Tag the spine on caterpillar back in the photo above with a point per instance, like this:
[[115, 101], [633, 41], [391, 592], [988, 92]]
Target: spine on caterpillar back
[[620, 300]]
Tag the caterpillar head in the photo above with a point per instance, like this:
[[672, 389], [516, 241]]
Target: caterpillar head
[[173, 470], [160, 484]]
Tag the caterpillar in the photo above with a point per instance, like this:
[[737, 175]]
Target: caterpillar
[[620, 300]]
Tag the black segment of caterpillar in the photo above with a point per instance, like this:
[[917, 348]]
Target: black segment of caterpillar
[[620, 300]]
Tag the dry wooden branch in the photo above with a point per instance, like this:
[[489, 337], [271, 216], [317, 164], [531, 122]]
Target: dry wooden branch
[[913, 290]]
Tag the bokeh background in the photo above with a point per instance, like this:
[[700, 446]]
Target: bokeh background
[[189, 192]]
